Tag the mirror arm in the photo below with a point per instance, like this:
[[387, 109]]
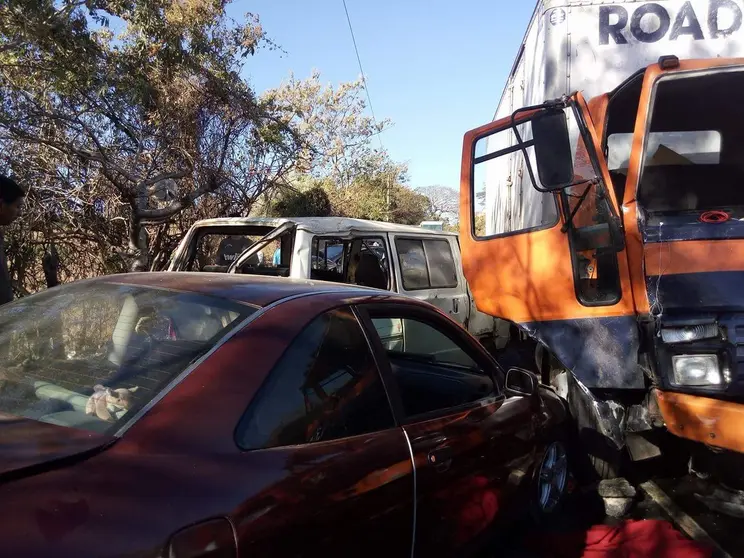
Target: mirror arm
[[569, 220]]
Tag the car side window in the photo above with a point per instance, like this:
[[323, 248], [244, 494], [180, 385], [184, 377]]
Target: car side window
[[433, 370], [326, 386], [426, 263]]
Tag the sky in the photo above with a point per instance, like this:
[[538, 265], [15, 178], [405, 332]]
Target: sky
[[435, 68]]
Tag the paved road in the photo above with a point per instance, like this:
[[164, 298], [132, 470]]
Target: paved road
[[584, 509], [685, 492]]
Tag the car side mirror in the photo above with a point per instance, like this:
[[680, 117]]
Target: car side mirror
[[521, 382], [555, 168]]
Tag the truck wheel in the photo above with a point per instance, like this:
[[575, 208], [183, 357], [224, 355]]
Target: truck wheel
[[592, 458], [595, 460]]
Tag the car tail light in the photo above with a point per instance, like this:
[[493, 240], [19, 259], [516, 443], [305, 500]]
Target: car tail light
[[210, 539]]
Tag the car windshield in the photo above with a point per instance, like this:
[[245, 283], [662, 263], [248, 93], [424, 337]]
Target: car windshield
[[89, 355]]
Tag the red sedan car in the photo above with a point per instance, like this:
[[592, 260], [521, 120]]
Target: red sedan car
[[178, 415]]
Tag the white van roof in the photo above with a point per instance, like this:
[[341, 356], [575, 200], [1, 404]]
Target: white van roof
[[323, 225]]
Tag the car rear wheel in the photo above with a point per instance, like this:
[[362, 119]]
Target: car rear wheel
[[552, 479]]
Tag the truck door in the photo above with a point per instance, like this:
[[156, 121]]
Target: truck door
[[426, 268], [542, 242]]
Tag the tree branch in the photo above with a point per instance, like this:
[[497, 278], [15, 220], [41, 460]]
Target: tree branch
[[159, 216]]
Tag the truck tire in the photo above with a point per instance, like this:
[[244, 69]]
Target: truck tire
[[595, 460], [605, 470]]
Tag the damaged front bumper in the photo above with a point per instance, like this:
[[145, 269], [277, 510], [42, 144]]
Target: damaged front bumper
[[713, 422]]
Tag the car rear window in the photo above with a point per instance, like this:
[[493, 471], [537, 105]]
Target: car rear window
[[88, 356]]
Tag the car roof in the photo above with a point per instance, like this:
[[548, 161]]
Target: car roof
[[249, 289], [324, 225]]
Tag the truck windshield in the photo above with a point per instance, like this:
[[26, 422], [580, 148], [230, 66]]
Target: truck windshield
[[697, 147], [692, 159]]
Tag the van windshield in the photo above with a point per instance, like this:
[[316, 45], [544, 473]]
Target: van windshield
[[89, 355], [214, 248]]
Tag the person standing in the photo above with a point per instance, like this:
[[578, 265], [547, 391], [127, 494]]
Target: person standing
[[11, 203]]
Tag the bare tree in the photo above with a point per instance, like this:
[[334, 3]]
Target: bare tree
[[445, 202]]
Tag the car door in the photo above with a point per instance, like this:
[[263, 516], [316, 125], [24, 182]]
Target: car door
[[334, 470], [473, 448], [427, 268]]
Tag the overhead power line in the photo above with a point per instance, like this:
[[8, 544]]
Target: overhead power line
[[364, 76], [388, 187]]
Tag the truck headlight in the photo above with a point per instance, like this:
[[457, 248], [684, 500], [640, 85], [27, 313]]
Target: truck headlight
[[685, 334], [697, 370]]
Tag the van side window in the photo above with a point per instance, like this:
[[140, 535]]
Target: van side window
[[358, 261], [328, 259], [426, 264], [326, 386]]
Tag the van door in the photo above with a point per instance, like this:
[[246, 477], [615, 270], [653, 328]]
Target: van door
[[283, 235], [553, 262], [426, 268]]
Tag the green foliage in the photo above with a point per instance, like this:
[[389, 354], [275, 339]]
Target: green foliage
[[130, 119], [108, 102], [311, 203]]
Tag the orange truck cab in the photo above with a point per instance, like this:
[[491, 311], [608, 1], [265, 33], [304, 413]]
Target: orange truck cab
[[631, 277]]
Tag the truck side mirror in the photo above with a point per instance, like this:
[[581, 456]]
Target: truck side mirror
[[553, 158]]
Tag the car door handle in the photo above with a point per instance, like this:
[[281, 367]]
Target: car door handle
[[440, 458], [455, 305]]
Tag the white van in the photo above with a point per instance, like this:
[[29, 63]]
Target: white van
[[415, 261]]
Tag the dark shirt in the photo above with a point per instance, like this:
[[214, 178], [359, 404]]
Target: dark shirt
[[6, 289]]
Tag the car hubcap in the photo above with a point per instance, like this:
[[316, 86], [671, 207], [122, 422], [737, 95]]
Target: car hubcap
[[553, 475]]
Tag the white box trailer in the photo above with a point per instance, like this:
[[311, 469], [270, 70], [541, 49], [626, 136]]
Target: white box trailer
[[592, 46]]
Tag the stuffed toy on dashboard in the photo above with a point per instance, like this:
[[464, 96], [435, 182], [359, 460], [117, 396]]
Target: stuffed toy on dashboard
[[106, 402]]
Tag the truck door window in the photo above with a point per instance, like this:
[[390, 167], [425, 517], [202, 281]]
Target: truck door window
[[426, 263], [504, 200], [328, 259], [273, 259], [596, 271]]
